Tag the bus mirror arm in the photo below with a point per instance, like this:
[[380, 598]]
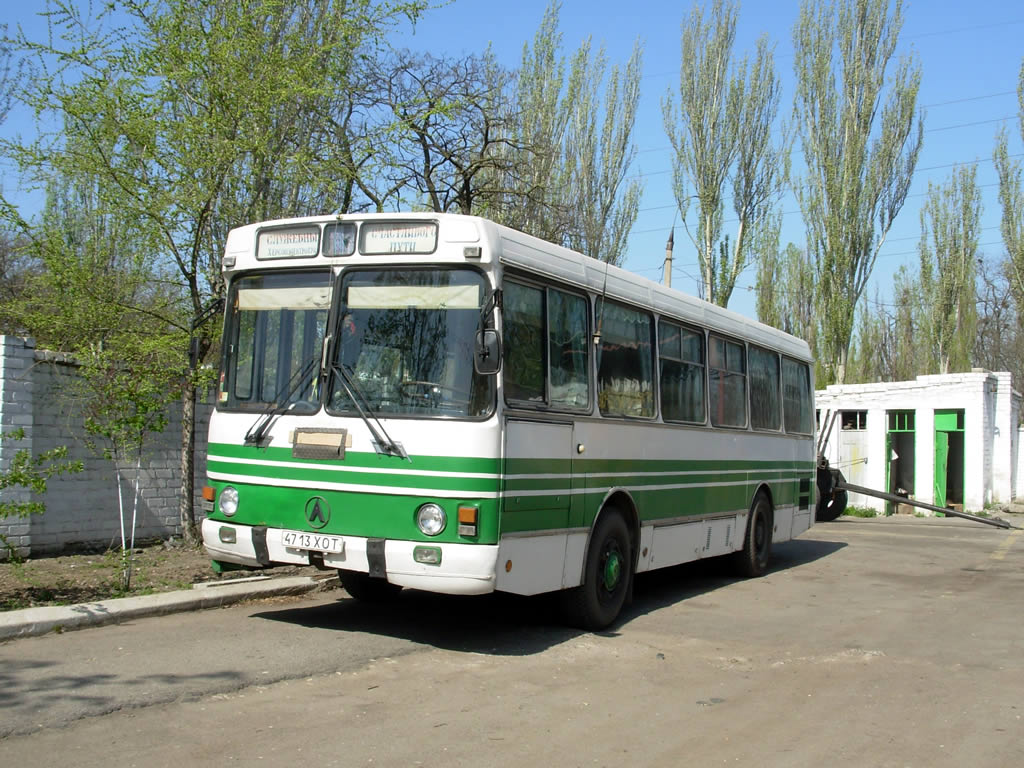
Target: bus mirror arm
[[487, 346], [487, 352]]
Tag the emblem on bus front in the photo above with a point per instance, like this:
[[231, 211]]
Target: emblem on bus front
[[318, 512]]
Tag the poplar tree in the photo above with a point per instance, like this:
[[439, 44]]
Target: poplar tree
[[950, 223], [722, 134], [860, 132], [1011, 202], [569, 148]]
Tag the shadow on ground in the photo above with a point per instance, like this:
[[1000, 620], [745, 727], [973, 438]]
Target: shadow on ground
[[511, 625]]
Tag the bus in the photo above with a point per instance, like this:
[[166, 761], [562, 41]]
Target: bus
[[440, 402]]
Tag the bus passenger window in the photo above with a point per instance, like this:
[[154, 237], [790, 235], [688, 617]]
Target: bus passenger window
[[523, 316], [681, 352], [728, 383], [796, 396], [625, 362], [765, 408], [567, 344]]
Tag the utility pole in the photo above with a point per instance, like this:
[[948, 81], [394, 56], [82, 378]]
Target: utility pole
[[668, 258]]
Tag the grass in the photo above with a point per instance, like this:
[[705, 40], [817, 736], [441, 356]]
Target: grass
[[860, 512]]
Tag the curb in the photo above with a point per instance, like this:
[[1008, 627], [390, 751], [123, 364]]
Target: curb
[[31, 622]]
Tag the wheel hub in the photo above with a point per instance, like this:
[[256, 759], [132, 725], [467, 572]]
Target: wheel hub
[[612, 570]]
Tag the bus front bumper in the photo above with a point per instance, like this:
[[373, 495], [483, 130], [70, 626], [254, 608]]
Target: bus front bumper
[[465, 569]]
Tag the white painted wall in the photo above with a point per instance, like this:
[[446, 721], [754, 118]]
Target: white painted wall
[[991, 408]]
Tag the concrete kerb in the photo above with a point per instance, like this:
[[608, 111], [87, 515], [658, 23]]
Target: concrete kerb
[[38, 621]]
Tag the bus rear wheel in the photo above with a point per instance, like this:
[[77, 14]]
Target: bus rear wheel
[[753, 559], [607, 575], [361, 587]]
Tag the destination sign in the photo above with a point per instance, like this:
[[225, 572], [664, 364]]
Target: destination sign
[[290, 243], [387, 237]]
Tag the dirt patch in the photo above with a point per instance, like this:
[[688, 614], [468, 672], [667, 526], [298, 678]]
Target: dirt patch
[[85, 578]]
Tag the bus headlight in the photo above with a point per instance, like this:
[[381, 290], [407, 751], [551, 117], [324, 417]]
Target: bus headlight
[[431, 519], [229, 501]]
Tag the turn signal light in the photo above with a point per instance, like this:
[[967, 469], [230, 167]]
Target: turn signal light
[[209, 493], [468, 520]]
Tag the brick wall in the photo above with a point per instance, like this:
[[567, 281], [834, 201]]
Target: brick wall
[[39, 392]]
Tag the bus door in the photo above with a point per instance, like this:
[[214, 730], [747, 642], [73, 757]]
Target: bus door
[[537, 499]]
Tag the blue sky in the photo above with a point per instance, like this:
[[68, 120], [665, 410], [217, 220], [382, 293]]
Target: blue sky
[[970, 54]]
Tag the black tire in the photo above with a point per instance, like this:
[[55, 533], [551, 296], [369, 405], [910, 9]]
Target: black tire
[[607, 575], [832, 502], [753, 559], [362, 587]]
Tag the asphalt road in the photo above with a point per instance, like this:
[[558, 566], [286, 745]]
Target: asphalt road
[[893, 642]]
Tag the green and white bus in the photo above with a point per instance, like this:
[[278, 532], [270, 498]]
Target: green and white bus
[[439, 402]]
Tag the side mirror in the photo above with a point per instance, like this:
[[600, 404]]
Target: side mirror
[[487, 352]]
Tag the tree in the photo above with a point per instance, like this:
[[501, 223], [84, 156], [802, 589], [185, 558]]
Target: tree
[[1011, 201], [448, 131], [950, 222], [722, 138], [888, 347], [861, 141], [999, 343], [569, 150], [198, 115], [785, 286]]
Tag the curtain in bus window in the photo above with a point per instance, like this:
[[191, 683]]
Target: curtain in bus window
[[796, 396], [625, 365], [682, 374], [567, 348], [524, 364], [727, 382], [765, 408]]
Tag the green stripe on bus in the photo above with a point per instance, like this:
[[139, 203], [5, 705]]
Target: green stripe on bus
[[420, 463]]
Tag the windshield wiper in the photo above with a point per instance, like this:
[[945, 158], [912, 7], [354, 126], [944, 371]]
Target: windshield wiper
[[258, 430], [382, 440]]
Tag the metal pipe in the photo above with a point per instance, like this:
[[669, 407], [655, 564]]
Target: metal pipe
[[996, 521]]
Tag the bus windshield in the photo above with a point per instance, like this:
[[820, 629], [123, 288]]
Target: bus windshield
[[276, 328], [405, 344]]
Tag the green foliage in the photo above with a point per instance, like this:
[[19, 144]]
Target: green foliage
[[860, 512], [888, 345], [185, 118], [861, 139], [1011, 202], [785, 287], [31, 473], [568, 149], [722, 138], [950, 223]]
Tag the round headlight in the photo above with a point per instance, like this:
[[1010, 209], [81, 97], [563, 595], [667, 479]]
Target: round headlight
[[431, 519], [229, 501]]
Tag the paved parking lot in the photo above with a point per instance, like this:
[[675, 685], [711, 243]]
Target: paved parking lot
[[891, 642]]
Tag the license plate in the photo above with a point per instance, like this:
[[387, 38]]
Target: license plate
[[317, 542]]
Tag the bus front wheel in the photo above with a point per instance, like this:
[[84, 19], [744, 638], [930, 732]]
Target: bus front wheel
[[362, 587], [607, 575], [753, 559]]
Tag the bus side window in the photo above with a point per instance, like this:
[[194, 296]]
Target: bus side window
[[728, 382], [681, 352], [625, 362], [525, 365], [567, 343], [765, 408], [796, 396]]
